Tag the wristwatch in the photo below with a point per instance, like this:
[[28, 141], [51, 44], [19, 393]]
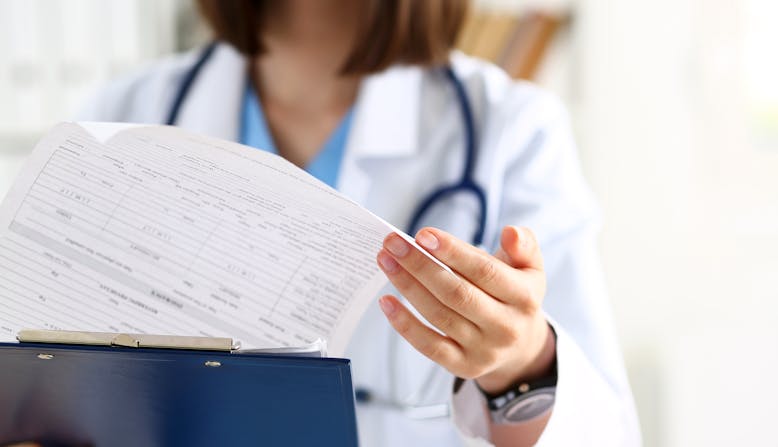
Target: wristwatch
[[524, 400]]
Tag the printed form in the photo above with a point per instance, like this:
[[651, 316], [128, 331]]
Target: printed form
[[155, 230]]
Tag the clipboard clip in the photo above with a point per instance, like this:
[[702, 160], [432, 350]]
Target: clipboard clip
[[127, 340]]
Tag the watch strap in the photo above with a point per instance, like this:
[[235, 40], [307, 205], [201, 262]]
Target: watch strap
[[496, 402]]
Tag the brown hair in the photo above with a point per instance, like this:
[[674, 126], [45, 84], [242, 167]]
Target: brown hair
[[393, 31]]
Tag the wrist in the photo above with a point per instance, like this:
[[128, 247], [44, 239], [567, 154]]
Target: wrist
[[540, 364]]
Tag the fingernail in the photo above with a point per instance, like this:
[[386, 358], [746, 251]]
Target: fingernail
[[386, 306], [428, 240], [387, 263], [522, 235], [396, 246]]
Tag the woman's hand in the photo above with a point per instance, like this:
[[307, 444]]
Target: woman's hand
[[493, 329]]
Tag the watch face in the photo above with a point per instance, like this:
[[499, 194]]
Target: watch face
[[529, 406]]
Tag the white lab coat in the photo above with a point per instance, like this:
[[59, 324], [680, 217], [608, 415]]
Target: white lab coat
[[407, 138]]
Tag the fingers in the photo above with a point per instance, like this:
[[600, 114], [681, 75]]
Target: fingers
[[436, 347], [488, 307], [459, 295], [505, 281], [439, 315], [520, 248]]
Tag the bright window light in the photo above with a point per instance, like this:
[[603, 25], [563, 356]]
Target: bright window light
[[761, 67]]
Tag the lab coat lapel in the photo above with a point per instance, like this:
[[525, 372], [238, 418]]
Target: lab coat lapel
[[385, 125], [213, 104]]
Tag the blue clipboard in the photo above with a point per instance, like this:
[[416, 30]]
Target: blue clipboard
[[118, 396]]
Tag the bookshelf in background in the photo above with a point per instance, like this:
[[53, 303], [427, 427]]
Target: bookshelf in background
[[517, 42]]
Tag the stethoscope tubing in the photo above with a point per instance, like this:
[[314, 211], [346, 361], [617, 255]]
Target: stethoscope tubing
[[186, 83], [465, 184]]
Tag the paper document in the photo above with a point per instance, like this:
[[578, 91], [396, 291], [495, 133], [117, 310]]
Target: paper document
[[155, 230]]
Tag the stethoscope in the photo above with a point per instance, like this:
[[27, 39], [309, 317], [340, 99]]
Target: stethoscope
[[465, 185]]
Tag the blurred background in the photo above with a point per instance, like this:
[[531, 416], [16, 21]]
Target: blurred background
[[675, 104]]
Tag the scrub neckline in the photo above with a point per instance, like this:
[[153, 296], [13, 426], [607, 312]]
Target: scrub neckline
[[255, 132]]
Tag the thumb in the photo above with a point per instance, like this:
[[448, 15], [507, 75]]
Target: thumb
[[519, 248]]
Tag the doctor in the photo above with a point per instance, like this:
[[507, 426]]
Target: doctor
[[368, 96]]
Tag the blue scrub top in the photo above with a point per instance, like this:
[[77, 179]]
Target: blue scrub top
[[255, 132]]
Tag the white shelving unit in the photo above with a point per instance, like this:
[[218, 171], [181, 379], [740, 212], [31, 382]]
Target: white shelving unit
[[52, 53]]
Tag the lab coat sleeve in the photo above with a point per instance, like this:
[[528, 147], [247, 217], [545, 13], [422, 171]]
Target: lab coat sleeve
[[542, 187], [586, 412]]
